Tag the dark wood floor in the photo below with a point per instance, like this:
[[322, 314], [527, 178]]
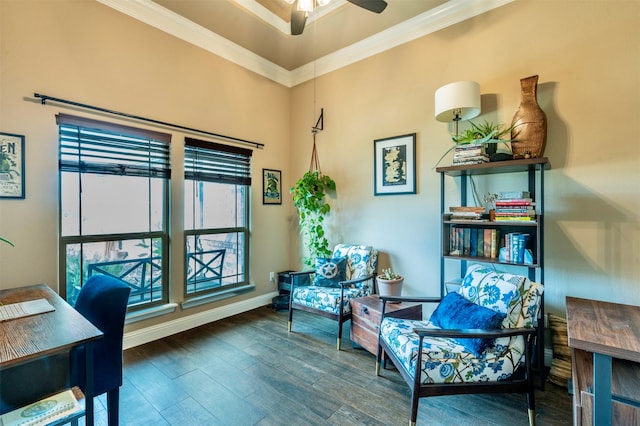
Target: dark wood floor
[[247, 370]]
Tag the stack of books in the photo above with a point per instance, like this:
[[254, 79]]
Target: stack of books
[[466, 213], [469, 154], [45, 412], [515, 206]]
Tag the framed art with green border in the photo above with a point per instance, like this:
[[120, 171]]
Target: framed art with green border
[[271, 186], [11, 166], [394, 165]]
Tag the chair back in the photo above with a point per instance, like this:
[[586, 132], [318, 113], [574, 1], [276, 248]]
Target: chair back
[[361, 260], [103, 301], [514, 295]]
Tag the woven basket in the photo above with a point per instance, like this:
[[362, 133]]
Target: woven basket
[[560, 371]]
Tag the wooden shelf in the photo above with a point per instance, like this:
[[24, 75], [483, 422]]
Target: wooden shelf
[[509, 166], [488, 260]]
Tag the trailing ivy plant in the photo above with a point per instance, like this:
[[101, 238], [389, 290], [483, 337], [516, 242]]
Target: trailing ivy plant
[[309, 199]]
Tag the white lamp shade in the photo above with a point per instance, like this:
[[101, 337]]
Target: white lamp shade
[[461, 97]]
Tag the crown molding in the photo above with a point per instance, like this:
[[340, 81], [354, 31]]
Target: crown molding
[[165, 20], [445, 15]]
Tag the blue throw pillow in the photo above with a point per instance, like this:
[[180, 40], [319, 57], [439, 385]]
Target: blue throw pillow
[[329, 272], [456, 312]]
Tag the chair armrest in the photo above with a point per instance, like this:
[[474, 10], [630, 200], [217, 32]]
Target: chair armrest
[[474, 332], [295, 278], [410, 299], [349, 283]]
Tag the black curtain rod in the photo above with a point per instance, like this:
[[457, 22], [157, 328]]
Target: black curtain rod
[[45, 98]]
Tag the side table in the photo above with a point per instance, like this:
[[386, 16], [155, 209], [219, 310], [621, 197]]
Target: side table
[[605, 342], [365, 319]]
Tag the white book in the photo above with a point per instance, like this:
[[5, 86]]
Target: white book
[[43, 412], [25, 309]]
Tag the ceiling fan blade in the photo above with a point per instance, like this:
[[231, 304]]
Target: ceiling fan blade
[[376, 6], [298, 19]]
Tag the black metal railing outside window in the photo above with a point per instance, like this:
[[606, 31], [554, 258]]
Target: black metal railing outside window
[[114, 201], [217, 190]]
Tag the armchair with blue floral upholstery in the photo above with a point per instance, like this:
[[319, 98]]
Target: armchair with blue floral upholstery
[[327, 290], [478, 340]]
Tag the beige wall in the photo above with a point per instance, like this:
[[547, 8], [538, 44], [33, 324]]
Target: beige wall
[[90, 53], [587, 55]]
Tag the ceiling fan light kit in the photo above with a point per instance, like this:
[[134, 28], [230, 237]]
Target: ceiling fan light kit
[[305, 5], [301, 9]]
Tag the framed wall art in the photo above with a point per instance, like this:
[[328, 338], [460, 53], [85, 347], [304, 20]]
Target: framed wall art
[[394, 165], [271, 186], [11, 166]]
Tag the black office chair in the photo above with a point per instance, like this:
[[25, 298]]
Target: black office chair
[[103, 301]]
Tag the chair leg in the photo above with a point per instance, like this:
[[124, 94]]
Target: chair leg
[[290, 317], [113, 404], [339, 345], [414, 407]]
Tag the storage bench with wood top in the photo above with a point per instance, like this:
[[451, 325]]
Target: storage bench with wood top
[[365, 319]]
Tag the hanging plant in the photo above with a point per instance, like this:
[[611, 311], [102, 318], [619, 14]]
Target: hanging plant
[[309, 194]]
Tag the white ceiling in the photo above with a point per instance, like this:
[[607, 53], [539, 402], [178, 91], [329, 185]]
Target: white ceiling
[[259, 39]]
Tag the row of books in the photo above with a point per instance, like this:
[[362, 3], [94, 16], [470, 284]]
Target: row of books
[[515, 206], [487, 243], [480, 242], [469, 154]]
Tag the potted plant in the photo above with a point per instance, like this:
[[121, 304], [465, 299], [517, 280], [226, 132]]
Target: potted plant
[[487, 133], [309, 194], [389, 283]]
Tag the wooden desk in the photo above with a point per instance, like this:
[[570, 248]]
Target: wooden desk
[[29, 338], [608, 331]]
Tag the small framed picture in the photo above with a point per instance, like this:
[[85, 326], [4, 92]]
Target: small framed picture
[[11, 166], [394, 165], [271, 186]]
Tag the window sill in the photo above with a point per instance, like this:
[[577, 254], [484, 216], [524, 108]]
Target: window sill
[[220, 295], [155, 311]]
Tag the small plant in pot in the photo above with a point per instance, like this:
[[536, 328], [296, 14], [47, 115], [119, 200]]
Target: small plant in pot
[[389, 283], [488, 134]]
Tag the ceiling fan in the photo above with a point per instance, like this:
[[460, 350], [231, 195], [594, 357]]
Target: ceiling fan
[[301, 8]]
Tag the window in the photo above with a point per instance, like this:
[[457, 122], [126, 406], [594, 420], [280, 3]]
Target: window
[[217, 189], [114, 207]]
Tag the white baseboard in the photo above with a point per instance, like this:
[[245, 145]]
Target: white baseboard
[[158, 331]]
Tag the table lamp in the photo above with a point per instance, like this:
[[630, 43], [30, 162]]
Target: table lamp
[[458, 101]]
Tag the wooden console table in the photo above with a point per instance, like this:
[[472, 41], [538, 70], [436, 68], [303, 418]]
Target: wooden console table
[[605, 342]]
